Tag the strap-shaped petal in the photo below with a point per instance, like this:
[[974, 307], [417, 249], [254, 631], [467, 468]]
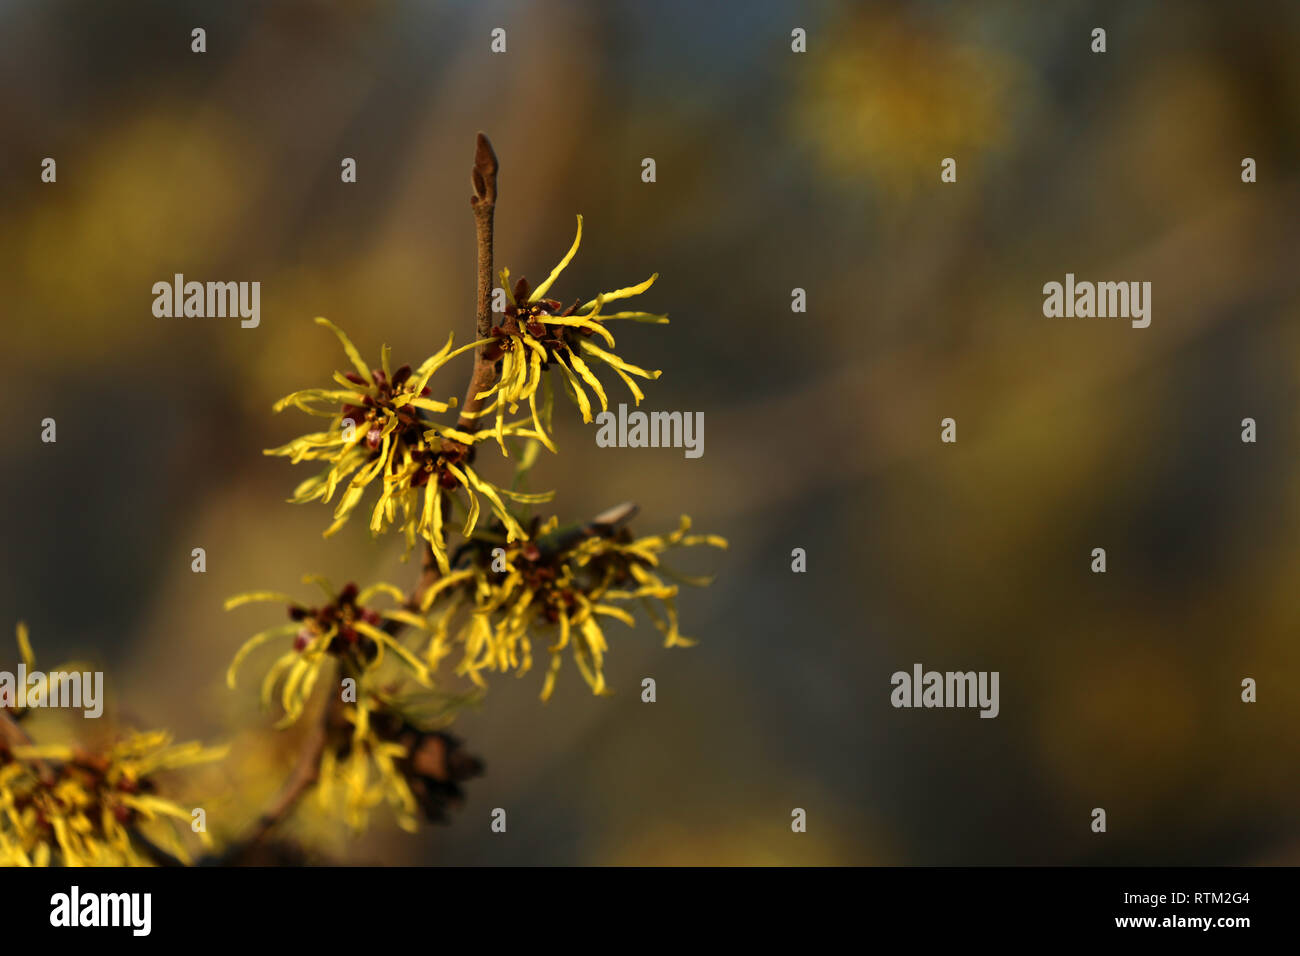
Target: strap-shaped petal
[[555, 273], [351, 350]]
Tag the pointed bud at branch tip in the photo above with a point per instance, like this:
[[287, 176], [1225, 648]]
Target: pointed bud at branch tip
[[484, 175]]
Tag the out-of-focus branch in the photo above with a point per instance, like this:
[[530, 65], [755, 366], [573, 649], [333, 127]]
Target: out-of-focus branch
[[14, 736], [305, 773], [11, 733]]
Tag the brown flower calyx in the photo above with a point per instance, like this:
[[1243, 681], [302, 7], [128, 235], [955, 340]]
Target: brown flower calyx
[[341, 614], [382, 397], [435, 765], [522, 316]]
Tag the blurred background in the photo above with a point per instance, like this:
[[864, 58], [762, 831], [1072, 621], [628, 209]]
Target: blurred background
[[774, 171]]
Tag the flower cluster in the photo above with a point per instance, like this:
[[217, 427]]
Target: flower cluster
[[345, 628], [536, 333], [391, 757], [512, 580], [378, 432], [560, 585], [511, 583], [73, 806]]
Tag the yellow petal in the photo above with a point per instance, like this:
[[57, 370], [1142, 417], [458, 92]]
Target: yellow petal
[[626, 293], [284, 630], [380, 637], [555, 273], [575, 389], [391, 590], [609, 358], [250, 596], [580, 322], [351, 350], [25, 646], [581, 368]]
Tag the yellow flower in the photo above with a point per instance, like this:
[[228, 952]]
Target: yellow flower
[[537, 333], [69, 806], [345, 629], [378, 431], [391, 758], [66, 806], [72, 807], [563, 584], [365, 776]]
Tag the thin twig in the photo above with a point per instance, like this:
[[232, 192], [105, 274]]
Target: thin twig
[[483, 202], [483, 178], [305, 773], [12, 734]]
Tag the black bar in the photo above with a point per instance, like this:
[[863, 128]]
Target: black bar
[[361, 906]]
